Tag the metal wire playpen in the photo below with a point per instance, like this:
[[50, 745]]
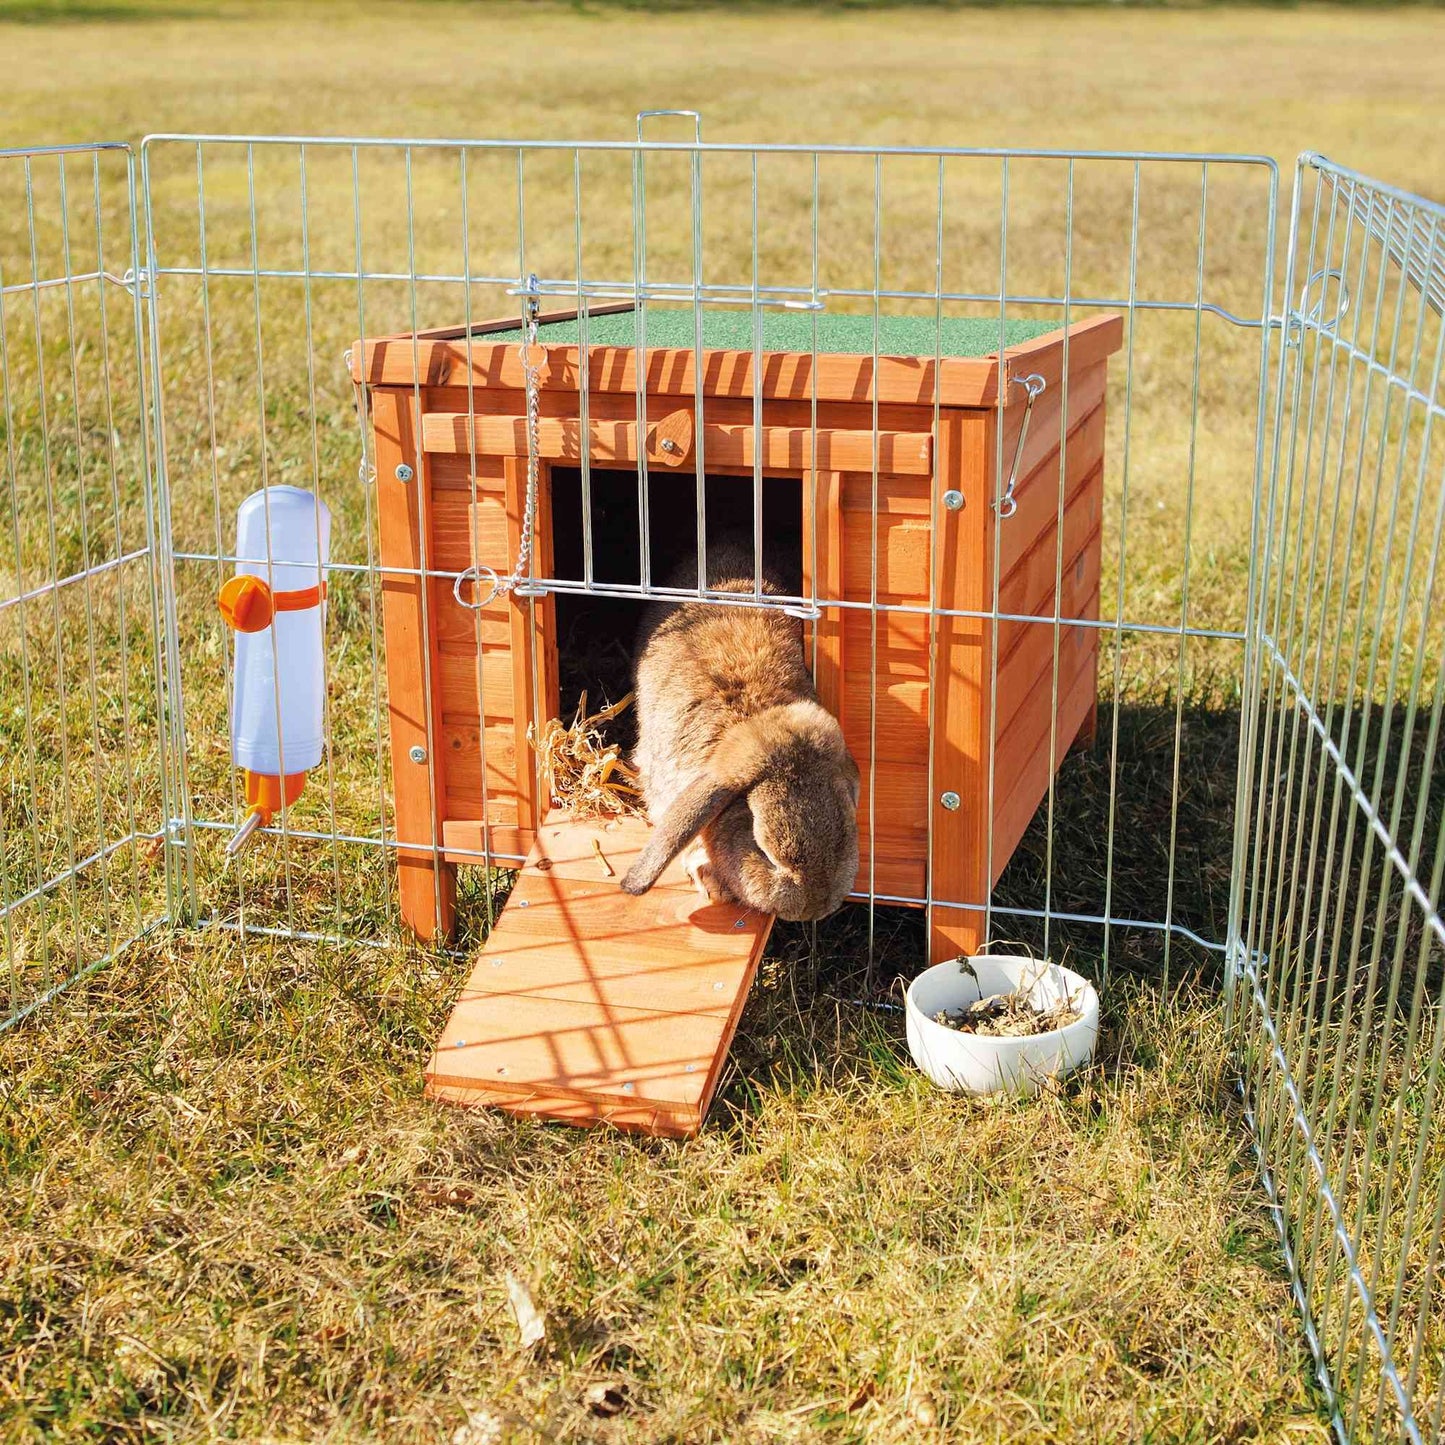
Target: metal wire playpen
[[1259, 802]]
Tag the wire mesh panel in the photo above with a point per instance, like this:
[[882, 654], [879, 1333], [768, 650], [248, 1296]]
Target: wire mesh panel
[[1339, 966], [272, 260], [81, 785], [1122, 586]]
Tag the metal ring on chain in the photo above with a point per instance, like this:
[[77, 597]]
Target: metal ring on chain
[[475, 575]]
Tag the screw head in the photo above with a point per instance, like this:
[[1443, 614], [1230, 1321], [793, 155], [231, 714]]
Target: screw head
[[951, 801], [953, 500], [403, 472], [417, 754], [670, 446]]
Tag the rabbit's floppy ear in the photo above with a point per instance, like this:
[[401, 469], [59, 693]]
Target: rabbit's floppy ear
[[691, 811], [737, 762]]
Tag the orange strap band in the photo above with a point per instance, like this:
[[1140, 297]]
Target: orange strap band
[[299, 600], [248, 604]]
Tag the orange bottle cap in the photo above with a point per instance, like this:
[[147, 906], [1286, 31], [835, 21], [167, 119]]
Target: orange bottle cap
[[246, 603]]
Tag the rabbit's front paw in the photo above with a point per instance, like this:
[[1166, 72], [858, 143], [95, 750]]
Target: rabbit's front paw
[[699, 869]]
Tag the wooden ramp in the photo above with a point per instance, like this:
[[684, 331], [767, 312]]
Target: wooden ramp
[[590, 1006]]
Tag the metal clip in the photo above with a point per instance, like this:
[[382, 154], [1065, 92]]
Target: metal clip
[[138, 283], [475, 575], [1006, 505], [531, 294]]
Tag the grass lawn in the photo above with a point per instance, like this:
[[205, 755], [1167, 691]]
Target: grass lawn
[[229, 1213], [225, 1210]]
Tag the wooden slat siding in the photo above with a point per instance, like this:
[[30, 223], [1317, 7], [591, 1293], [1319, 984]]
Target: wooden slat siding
[[470, 529], [461, 743], [1090, 343], [823, 535], [718, 410], [903, 639], [902, 711], [1038, 503], [476, 680], [898, 496], [727, 447], [901, 871], [1029, 589], [453, 473], [959, 381], [963, 558], [591, 1006], [902, 835], [899, 790], [426, 886], [1086, 394], [903, 549], [1028, 730], [1031, 581], [455, 681], [460, 630], [1019, 797], [462, 837], [533, 635], [1031, 644]]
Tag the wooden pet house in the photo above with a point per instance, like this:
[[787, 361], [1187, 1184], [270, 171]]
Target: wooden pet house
[[929, 701]]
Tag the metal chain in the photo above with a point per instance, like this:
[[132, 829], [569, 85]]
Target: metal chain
[[475, 574], [365, 469]]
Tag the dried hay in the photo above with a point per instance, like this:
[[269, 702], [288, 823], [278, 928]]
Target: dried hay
[[1008, 1015], [584, 772]]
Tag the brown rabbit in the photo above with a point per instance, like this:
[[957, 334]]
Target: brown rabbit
[[734, 750]]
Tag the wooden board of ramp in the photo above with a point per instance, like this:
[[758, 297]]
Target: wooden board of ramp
[[589, 1006]]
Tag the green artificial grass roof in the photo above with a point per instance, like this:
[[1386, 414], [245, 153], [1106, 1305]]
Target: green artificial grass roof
[[732, 330]]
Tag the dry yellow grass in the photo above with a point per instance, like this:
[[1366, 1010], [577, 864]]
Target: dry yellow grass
[[226, 1210]]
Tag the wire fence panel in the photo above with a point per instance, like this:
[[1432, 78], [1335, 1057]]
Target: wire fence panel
[[1339, 964], [81, 784], [1138, 621], [273, 259]]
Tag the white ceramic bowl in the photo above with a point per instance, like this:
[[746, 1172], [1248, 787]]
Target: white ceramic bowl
[[978, 1064]]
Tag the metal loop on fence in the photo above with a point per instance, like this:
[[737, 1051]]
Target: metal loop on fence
[[694, 116], [1315, 315], [1034, 384], [476, 575]]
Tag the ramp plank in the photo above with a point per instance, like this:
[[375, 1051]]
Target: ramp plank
[[587, 1005]]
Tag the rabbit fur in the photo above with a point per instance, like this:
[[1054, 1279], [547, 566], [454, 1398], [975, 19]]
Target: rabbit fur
[[735, 751]]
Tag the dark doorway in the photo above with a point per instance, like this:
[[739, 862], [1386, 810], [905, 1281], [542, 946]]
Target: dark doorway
[[595, 632]]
